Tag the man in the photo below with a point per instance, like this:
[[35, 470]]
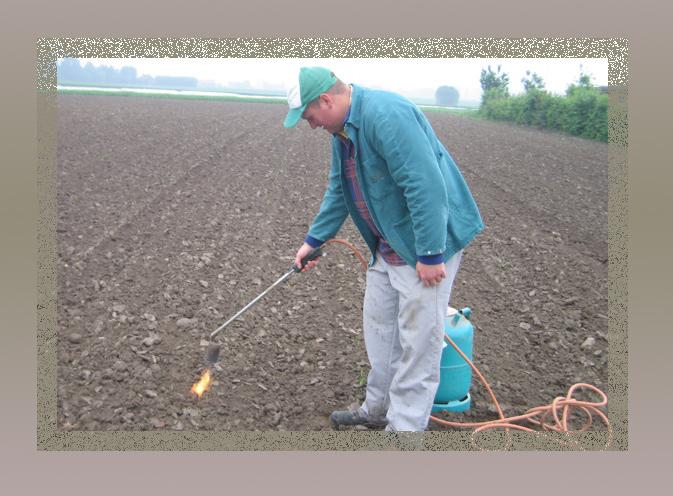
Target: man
[[414, 210]]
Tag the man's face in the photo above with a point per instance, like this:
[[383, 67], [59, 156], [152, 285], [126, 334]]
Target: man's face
[[322, 112]]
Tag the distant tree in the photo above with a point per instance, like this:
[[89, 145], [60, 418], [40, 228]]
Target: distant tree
[[107, 74], [68, 70], [89, 73], [532, 82], [583, 81], [447, 96], [146, 80], [128, 75], [494, 83]]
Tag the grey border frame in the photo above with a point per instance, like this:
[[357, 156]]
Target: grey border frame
[[49, 437]]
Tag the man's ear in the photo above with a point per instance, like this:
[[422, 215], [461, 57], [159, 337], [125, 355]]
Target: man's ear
[[326, 99]]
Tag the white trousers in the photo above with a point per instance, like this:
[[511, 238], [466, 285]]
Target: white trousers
[[403, 324]]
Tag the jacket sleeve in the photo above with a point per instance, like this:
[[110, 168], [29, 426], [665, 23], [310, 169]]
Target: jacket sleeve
[[401, 135], [333, 210]]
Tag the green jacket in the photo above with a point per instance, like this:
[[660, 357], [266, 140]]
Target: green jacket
[[413, 189]]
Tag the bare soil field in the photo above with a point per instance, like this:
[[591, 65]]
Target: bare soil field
[[174, 214]]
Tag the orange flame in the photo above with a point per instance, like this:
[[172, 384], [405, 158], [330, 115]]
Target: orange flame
[[203, 384]]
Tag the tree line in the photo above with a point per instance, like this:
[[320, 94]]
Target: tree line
[[582, 111], [70, 71]]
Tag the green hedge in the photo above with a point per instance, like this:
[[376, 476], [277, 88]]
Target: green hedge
[[582, 112]]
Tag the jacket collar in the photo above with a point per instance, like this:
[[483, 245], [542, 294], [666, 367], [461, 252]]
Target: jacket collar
[[354, 113]]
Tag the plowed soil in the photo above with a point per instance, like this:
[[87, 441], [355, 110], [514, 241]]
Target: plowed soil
[[174, 214]]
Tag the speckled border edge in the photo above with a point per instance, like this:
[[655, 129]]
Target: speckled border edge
[[48, 50]]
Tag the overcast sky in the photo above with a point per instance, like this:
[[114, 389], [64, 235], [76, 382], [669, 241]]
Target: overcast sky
[[405, 75]]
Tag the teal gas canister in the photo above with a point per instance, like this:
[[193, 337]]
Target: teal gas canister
[[455, 379]]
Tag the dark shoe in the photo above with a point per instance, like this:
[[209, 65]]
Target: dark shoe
[[350, 418]]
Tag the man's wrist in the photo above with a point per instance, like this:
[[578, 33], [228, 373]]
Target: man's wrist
[[431, 259], [313, 242]]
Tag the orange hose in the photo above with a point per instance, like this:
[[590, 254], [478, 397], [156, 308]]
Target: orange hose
[[352, 247], [566, 404]]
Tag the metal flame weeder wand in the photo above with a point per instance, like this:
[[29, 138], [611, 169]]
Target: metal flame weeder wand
[[213, 350]]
